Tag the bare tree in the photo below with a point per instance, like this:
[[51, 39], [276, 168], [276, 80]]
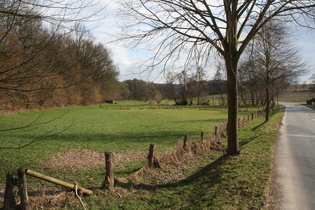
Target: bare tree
[[142, 91], [197, 84], [171, 86], [193, 27], [178, 85], [250, 83], [312, 82], [275, 60]]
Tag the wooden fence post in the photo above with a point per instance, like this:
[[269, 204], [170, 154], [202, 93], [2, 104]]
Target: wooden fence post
[[23, 189], [216, 130], [109, 178], [185, 142], [201, 136], [150, 156], [9, 198], [252, 116]]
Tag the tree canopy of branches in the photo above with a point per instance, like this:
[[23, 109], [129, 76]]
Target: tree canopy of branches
[[194, 27], [46, 62]]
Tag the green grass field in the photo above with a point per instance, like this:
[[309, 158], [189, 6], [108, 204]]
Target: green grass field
[[228, 182], [115, 128], [126, 127]]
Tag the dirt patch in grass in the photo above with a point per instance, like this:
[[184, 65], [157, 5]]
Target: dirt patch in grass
[[82, 160]]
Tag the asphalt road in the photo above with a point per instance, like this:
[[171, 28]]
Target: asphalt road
[[295, 159]]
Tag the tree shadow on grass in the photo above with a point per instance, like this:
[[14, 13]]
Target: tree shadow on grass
[[258, 126], [198, 191], [197, 184], [251, 136]]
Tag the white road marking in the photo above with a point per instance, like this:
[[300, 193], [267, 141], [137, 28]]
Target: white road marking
[[298, 135]]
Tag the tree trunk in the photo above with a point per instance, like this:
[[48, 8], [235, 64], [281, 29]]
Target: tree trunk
[[231, 68], [252, 94], [267, 104], [23, 189]]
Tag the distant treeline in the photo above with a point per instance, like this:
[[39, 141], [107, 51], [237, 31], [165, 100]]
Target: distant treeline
[[181, 93]]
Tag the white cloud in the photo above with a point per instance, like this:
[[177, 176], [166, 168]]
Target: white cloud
[[106, 32]]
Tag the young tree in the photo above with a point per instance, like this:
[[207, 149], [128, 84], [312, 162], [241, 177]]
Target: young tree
[[197, 84], [227, 26]]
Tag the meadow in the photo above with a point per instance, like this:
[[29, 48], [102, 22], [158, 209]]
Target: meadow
[[126, 128]]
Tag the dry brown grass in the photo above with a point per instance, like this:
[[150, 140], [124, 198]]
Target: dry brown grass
[[82, 160], [180, 163]]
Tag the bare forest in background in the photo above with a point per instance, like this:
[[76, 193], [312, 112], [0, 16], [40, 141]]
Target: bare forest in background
[[49, 65]]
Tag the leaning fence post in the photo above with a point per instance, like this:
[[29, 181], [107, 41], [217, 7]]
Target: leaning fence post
[[23, 189], [109, 178], [185, 141], [9, 199], [150, 156]]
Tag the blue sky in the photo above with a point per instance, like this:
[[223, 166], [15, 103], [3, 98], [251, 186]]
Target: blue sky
[[128, 60]]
